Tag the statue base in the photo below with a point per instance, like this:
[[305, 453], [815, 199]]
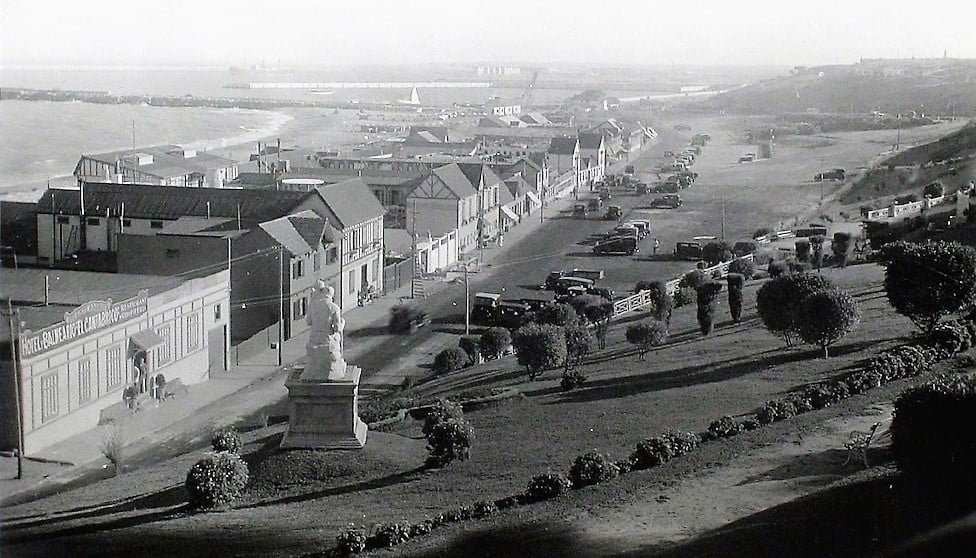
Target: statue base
[[324, 414]]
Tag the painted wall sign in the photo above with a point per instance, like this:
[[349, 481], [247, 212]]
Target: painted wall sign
[[87, 318]]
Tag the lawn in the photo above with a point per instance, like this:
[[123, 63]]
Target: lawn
[[683, 385]]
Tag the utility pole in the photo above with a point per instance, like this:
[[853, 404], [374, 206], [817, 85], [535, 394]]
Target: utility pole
[[14, 323], [723, 220], [467, 302], [281, 301], [413, 252]]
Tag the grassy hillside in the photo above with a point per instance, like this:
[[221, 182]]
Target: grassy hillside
[[935, 87]]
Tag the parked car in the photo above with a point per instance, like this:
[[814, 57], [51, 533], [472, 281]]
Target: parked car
[[579, 211], [594, 204], [833, 174], [604, 292], [405, 318], [688, 250], [605, 194], [643, 227], [667, 201], [641, 189], [570, 293], [613, 213], [564, 283], [747, 158], [620, 245], [511, 314], [535, 304]]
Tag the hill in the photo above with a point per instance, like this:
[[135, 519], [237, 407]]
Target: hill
[[934, 87]]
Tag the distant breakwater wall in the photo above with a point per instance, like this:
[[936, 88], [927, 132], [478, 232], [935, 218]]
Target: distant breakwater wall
[[106, 98], [366, 85]]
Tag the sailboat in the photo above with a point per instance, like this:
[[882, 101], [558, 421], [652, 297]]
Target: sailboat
[[413, 100]]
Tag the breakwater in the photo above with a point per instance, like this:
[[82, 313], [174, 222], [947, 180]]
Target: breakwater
[[107, 98]]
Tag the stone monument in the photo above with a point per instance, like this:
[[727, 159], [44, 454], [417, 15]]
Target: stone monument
[[323, 409]]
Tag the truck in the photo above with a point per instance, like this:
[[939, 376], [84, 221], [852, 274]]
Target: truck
[[832, 174]]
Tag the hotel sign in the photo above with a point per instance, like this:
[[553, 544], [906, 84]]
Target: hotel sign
[[87, 318]]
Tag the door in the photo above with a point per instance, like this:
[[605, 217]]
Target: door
[[364, 278], [216, 349]]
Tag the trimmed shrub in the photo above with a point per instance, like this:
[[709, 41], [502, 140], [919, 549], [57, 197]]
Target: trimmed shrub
[[744, 248], [572, 379], [226, 439], [508, 502], [645, 335], [949, 338], [817, 254], [113, 446], [546, 486], [735, 282], [579, 341], [484, 509], [559, 314], [725, 427], [933, 190], [539, 347], [663, 302], [778, 268], [624, 465], [693, 279], [655, 451], [684, 296], [706, 296], [469, 344], [493, 342], [388, 535], [841, 245], [422, 528], [716, 251], [449, 441], [932, 433], [450, 359], [824, 394], [746, 268], [352, 540], [929, 281], [803, 250], [777, 301], [824, 317], [441, 411], [774, 411], [592, 468], [761, 231], [216, 481]]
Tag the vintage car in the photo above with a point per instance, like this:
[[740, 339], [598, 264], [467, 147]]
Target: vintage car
[[621, 245], [613, 213]]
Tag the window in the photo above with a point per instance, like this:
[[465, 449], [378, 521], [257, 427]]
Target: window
[[155, 224], [316, 261], [299, 307], [63, 220], [84, 380], [332, 255], [352, 281], [395, 197], [164, 352], [297, 269], [113, 366], [94, 221], [126, 222], [49, 396], [192, 332], [216, 311]]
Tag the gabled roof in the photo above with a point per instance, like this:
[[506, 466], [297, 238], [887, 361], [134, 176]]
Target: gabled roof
[[147, 201], [515, 186], [479, 174], [590, 140], [352, 202], [454, 179], [563, 146], [299, 234]]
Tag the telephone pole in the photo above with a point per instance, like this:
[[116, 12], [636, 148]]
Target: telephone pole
[[281, 301], [14, 323]]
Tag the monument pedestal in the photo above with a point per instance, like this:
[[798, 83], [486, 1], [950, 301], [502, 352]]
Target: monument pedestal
[[324, 414]]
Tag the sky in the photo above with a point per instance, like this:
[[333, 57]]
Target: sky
[[382, 32]]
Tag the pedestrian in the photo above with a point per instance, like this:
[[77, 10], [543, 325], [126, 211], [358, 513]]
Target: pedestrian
[[501, 240], [657, 244]]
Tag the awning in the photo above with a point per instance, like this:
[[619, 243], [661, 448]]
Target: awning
[[509, 213], [146, 339], [533, 198]]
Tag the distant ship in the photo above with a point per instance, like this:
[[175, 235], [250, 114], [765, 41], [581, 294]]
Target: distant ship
[[413, 100], [321, 92]]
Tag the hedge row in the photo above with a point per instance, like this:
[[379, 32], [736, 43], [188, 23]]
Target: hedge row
[[591, 468]]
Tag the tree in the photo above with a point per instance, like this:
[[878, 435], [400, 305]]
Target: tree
[[929, 281], [559, 314], [816, 243], [694, 279], [716, 252], [777, 301], [934, 190], [539, 347], [600, 316], [803, 250], [841, 246], [706, 297], [493, 342], [451, 359], [579, 341], [646, 335], [735, 282], [746, 267], [826, 316]]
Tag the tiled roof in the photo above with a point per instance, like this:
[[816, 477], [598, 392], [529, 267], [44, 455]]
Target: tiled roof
[[455, 180], [147, 201], [352, 202], [299, 233], [563, 146], [590, 140]]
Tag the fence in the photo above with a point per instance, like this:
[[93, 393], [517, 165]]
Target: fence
[[396, 275], [643, 298]]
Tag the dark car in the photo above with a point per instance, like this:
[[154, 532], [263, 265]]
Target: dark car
[[667, 201], [605, 292], [553, 279], [484, 308], [688, 250], [833, 174], [407, 319], [613, 213], [621, 245], [535, 304], [511, 314]]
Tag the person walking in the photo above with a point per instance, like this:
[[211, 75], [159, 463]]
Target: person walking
[[657, 244]]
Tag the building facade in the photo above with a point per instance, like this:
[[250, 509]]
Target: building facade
[[163, 165]]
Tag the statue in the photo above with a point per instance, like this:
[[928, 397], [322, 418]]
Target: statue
[[324, 347]]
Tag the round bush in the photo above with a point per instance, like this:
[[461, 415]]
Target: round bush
[[777, 268], [451, 359], [547, 485], [725, 427], [684, 296], [441, 411], [216, 480], [226, 439], [774, 411], [351, 541], [592, 468], [449, 441], [494, 341], [655, 451], [389, 534], [932, 433], [572, 379]]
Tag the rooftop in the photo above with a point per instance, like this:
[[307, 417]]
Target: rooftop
[[163, 161]]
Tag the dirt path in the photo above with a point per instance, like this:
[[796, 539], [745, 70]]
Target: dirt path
[[762, 478]]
